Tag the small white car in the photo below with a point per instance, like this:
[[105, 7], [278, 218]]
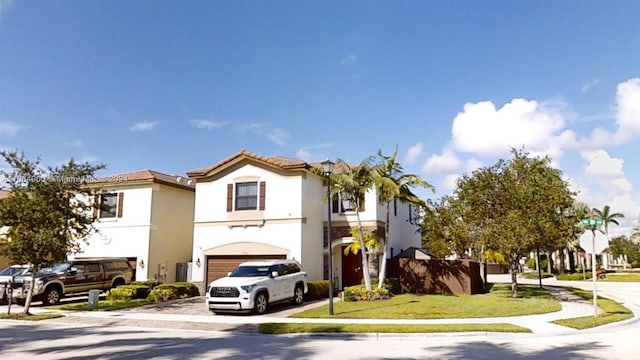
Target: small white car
[[254, 285], [8, 274]]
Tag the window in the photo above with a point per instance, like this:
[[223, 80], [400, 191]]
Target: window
[[346, 203], [247, 196], [108, 204]]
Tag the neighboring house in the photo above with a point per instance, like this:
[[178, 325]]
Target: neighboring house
[[254, 207], [147, 217], [4, 261]]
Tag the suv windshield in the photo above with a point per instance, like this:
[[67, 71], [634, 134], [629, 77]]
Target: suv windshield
[[12, 270], [55, 268], [250, 271]]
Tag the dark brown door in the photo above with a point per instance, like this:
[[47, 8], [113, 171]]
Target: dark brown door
[[351, 269], [218, 266]]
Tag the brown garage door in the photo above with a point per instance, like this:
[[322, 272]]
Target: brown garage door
[[220, 265]]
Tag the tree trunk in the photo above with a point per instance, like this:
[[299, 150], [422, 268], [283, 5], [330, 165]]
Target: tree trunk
[[385, 247], [27, 303], [549, 263], [572, 262], [561, 268], [365, 256], [514, 275]]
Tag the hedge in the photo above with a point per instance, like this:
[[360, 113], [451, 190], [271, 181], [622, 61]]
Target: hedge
[[128, 292], [172, 291], [317, 290]]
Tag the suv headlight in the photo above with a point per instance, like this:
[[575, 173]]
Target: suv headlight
[[247, 288]]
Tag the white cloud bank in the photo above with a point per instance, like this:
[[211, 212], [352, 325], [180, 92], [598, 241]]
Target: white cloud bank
[[144, 126]]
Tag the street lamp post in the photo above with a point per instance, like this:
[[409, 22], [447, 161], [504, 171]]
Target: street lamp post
[[327, 167]]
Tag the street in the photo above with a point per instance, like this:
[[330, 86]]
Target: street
[[55, 339]]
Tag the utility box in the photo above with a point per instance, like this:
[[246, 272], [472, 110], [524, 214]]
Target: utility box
[[94, 298]]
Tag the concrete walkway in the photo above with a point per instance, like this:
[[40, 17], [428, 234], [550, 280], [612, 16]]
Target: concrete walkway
[[192, 314]]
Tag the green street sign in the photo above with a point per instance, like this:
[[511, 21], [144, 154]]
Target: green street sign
[[592, 222]]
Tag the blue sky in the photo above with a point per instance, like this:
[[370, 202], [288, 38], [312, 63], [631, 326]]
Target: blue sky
[[175, 86]]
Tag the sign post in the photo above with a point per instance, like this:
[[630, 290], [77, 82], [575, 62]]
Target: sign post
[[593, 224]]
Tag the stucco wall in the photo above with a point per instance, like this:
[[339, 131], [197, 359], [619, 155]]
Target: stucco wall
[[171, 239]]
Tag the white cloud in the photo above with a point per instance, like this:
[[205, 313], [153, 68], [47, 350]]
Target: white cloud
[[350, 59], [485, 130], [445, 163], [473, 164], [10, 129], [628, 110], [144, 126], [449, 182], [601, 165], [207, 124], [277, 136], [5, 5], [303, 154], [586, 87], [413, 153]]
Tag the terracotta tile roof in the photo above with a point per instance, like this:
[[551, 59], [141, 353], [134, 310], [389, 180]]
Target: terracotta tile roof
[[278, 161], [145, 176]]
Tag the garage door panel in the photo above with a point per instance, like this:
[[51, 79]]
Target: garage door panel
[[218, 266]]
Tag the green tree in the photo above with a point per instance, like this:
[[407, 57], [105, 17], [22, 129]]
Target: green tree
[[47, 212], [622, 247], [351, 183], [392, 183], [516, 206], [607, 217]]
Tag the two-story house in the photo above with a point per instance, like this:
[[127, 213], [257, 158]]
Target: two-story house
[[254, 207], [147, 217]]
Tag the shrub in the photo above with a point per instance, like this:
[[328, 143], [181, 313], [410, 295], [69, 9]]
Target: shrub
[[575, 276], [128, 292], [531, 263], [360, 293], [150, 283], [391, 284], [172, 291], [317, 290], [534, 275]]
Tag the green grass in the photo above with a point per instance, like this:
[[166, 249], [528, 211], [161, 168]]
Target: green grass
[[30, 317], [288, 328], [498, 302], [612, 312], [621, 277], [103, 305], [534, 275]]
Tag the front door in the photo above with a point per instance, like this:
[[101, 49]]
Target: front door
[[351, 269]]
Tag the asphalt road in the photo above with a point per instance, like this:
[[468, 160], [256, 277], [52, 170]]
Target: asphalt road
[[53, 340]]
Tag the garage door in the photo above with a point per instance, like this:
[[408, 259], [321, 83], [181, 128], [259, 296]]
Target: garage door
[[220, 265]]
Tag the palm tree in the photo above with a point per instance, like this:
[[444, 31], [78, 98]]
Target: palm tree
[[352, 182], [606, 216], [391, 183]]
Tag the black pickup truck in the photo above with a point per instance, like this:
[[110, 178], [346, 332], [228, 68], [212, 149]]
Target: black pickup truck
[[73, 277]]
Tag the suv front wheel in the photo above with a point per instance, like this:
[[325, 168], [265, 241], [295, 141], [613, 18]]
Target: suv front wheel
[[298, 295], [262, 302], [51, 296]]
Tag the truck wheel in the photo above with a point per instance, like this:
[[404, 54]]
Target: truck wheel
[[116, 283], [298, 295], [51, 296], [261, 304]]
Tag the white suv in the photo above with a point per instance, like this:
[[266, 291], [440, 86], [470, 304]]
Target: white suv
[[253, 285]]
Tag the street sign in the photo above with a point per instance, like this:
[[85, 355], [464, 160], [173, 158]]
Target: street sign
[[592, 222], [601, 241]]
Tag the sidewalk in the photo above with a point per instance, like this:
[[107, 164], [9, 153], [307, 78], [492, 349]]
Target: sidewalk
[[192, 314]]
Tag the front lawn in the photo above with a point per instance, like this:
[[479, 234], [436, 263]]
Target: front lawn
[[497, 303], [30, 317], [289, 328], [611, 312], [621, 277], [103, 305]]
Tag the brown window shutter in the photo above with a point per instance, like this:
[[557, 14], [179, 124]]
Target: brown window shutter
[[361, 208], [120, 204], [96, 205], [229, 197], [263, 189], [335, 205]]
